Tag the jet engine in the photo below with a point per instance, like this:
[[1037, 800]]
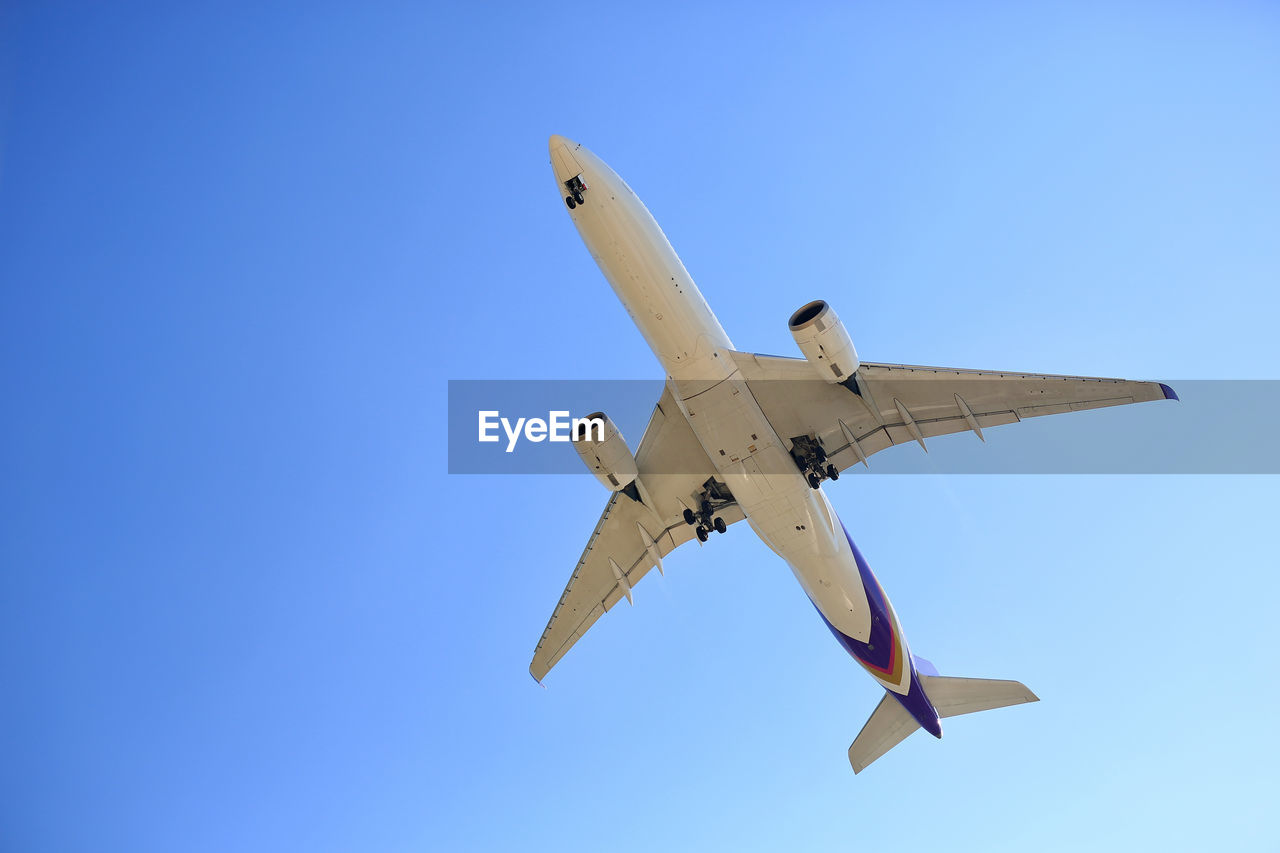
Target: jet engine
[[823, 340], [604, 451]]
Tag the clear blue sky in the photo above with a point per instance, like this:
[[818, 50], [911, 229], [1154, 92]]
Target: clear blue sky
[[242, 250]]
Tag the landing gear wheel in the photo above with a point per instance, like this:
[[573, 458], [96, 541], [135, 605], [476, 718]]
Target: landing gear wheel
[[577, 196], [702, 533], [569, 201], [832, 472], [814, 480], [689, 517], [719, 525]]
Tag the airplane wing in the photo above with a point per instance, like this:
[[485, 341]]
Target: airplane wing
[[890, 404], [674, 469]]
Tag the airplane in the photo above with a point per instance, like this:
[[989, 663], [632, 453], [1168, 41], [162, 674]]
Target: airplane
[[737, 435]]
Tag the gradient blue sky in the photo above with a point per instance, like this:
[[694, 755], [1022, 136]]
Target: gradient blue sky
[[242, 249]]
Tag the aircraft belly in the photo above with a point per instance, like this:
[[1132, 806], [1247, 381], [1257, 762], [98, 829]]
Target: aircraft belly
[[821, 559], [794, 520]]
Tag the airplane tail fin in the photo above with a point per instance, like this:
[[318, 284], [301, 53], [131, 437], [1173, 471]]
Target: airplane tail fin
[[890, 724]]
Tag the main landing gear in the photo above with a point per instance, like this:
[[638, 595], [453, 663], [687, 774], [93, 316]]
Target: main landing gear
[[714, 498], [576, 187], [811, 459]]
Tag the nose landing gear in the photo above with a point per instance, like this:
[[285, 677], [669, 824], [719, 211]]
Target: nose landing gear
[[576, 187]]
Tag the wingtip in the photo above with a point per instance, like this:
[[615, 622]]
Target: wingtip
[[1169, 393]]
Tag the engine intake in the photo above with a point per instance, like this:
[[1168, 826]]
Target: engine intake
[[604, 451], [823, 340]]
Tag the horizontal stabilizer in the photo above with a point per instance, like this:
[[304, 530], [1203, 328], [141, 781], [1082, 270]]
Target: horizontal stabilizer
[[954, 696], [889, 726]]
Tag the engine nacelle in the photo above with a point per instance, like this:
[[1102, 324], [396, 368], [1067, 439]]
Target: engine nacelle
[[823, 340], [604, 451]]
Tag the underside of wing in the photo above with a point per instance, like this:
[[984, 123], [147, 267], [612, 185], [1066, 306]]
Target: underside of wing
[[888, 404], [639, 526]]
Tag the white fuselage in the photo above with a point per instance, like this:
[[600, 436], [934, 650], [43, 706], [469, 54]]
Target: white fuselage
[[797, 522]]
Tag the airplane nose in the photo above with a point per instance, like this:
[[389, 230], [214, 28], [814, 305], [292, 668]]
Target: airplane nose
[[563, 162]]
